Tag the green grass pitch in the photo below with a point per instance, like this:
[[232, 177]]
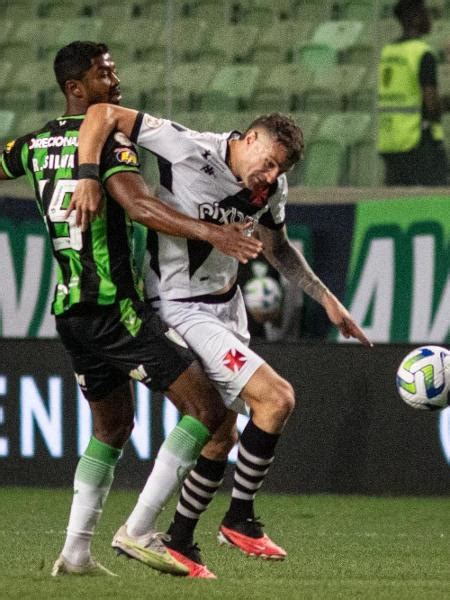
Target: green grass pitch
[[339, 547]]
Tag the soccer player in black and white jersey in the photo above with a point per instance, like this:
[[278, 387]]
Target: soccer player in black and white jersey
[[219, 178], [111, 335]]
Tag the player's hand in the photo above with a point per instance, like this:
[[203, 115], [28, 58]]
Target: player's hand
[[86, 201], [233, 240], [339, 316]]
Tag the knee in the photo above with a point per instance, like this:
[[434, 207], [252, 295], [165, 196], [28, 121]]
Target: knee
[[211, 416], [282, 399], [114, 433], [221, 444]]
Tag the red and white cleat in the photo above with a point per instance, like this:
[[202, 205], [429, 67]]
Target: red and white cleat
[[250, 538], [190, 558]]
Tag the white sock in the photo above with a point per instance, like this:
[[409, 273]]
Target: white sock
[[93, 479], [175, 458]]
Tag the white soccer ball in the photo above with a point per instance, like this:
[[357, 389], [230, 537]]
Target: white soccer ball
[[263, 295], [423, 378]]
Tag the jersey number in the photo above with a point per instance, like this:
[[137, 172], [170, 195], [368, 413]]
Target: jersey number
[[56, 214]]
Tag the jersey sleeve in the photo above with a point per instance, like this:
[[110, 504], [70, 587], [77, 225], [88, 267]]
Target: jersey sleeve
[[11, 158], [119, 155], [169, 140], [275, 216]]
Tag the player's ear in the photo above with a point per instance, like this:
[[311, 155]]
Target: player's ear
[[74, 88], [251, 136]]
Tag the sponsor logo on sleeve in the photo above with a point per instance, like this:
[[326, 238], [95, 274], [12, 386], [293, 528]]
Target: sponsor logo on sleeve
[[127, 156], [9, 146], [152, 122]]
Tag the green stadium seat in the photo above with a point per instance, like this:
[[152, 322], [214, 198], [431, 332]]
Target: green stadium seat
[[133, 38], [6, 31], [82, 28], [338, 34], [190, 81], [263, 13], [313, 11], [308, 121], [231, 120], [7, 118], [362, 10], [187, 37], [33, 86], [115, 11], [444, 79], [328, 153], [334, 89], [315, 57], [19, 10], [215, 13], [232, 88], [439, 37], [139, 81], [229, 44], [277, 43], [69, 9], [40, 36], [282, 88], [5, 74]]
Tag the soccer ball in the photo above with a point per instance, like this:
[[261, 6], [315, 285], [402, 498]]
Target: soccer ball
[[423, 378], [262, 296]]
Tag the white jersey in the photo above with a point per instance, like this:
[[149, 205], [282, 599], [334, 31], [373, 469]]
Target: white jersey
[[196, 180]]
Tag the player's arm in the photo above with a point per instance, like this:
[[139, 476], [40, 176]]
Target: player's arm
[[291, 263], [130, 190]]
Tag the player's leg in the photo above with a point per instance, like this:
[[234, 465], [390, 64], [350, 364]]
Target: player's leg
[[113, 423], [271, 400], [199, 488]]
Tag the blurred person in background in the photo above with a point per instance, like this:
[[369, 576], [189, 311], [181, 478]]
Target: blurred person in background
[[410, 134]]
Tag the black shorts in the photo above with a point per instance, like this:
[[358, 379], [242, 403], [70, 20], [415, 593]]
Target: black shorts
[[109, 345]]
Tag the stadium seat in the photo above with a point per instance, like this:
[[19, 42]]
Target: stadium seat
[[282, 88], [277, 43], [132, 37], [328, 153], [231, 120], [439, 37], [314, 11], [263, 13], [39, 36], [6, 31], [308, 121], [19, 10], [229, 44], [186, 37], [69, 9], [444, 79], [362, 10], [33, 86], [215, 13], [338, 34], [82, 28], [5, 74], [334, 89], [190, 82], [139, 81], [7, 118], [232, 88], [315, 57]]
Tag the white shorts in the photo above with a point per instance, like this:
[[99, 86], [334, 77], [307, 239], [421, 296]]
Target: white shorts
[[218, 334]]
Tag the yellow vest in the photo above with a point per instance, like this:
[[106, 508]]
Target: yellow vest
[[400, 97]]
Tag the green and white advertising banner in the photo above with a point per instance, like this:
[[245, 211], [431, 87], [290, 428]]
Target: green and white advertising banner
[[398, 283], [389, 259]]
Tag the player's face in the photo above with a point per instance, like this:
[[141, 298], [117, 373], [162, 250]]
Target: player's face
[[262, 161], [101, 81]]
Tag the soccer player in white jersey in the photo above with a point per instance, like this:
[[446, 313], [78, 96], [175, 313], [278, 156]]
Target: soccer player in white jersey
[[220, 178]]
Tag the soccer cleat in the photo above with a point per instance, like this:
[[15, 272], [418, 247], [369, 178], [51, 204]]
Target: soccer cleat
[[190, 557], [149, 549], [250, 538], [63, 567]]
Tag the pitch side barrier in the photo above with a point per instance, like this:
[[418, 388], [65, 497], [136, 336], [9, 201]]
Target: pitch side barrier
[[350, 432]]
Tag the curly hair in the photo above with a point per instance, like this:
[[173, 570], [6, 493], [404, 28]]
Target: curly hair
[[283, 130]]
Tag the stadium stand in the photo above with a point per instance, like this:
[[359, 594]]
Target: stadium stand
[[7, 118], [232, 88]]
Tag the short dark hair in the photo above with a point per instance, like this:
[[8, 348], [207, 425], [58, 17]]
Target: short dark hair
[[283, 130], [72, 61], [404, 10]]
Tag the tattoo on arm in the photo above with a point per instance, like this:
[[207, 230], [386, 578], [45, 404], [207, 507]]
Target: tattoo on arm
[[291, 263]]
